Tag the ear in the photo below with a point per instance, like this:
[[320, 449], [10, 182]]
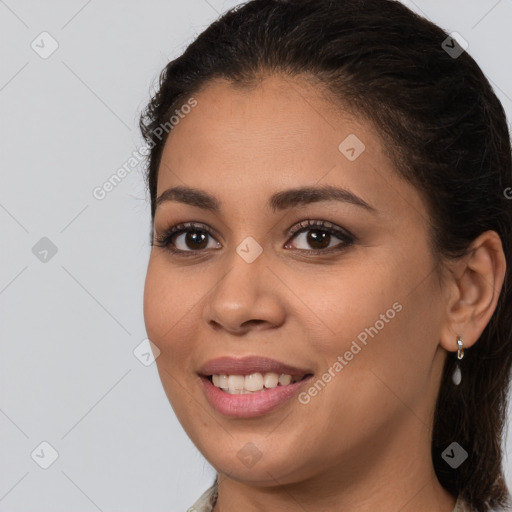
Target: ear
[[473, 290]]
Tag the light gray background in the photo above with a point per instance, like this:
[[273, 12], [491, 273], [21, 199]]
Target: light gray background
[[69, 325]]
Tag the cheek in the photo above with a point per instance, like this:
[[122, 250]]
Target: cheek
[[347, 302], [376, 317], [165, 302], [173, 298], [166, 305], [384, 368], [388, 339]]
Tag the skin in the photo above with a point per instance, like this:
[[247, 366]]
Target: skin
[[363, 442]]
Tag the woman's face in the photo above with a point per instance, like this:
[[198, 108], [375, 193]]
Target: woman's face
[[359, 317]]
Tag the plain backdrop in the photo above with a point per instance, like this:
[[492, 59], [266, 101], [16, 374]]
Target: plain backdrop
[[72, 266]]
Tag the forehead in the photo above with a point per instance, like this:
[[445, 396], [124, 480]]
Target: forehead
[[276, 115], [246, 142]]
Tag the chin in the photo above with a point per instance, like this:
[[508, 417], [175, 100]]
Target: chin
[[250, 464]]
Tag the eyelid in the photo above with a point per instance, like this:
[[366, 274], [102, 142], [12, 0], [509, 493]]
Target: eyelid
[[164, 239], [308, 223]]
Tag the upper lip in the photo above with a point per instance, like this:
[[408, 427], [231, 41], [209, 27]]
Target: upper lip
[[229, 365]]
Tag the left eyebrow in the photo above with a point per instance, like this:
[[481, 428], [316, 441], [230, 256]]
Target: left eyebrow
[[306, 195], [279, 201]]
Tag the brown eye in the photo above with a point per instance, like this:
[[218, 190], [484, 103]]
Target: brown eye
[[318, 239], [193, 240], [187, 239], [196, 239], [317, 236]]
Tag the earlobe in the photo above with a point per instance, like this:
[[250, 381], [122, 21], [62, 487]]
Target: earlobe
[[476, 282]]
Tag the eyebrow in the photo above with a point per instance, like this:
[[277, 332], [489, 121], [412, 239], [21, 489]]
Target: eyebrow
[[277, 202]]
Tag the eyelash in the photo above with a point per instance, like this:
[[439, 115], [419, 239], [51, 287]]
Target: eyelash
[[165, 240]]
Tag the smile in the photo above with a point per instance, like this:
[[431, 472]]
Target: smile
[[252, 383], [250, 386]]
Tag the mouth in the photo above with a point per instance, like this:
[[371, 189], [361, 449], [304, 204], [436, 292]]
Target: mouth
[[254, 382], [250, 386]]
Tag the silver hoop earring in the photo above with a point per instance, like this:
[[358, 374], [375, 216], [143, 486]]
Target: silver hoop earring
[[457, 374]]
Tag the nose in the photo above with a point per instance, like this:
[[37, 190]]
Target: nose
[[246, 297]]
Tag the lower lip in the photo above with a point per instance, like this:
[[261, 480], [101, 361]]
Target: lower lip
[[253, 404]]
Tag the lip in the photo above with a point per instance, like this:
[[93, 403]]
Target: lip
[[253, 404], [250, 405], [246, 365]]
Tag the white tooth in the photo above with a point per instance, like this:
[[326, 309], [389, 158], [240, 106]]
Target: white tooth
[[245, 392], [270, 380], [223, 382], [284, 379], [253, 382], [236, 382], [215, 380]]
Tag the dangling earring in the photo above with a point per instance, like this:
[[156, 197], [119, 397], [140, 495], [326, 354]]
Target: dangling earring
[[457, 375]]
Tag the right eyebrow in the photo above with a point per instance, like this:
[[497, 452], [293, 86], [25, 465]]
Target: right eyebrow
[[191, 196]]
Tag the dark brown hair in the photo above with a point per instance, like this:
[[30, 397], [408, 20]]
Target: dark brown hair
[[447, 134]]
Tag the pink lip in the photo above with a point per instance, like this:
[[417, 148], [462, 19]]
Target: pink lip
[[253, 404], [250, 405], [247, 365]]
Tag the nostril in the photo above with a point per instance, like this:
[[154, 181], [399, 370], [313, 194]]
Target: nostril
[[252, 322]]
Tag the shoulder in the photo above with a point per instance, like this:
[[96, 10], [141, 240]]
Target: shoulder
[[206, 501]]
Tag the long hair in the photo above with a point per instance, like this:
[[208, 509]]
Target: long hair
[[446, 133]]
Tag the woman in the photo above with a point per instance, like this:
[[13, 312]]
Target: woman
[[329, 282]]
